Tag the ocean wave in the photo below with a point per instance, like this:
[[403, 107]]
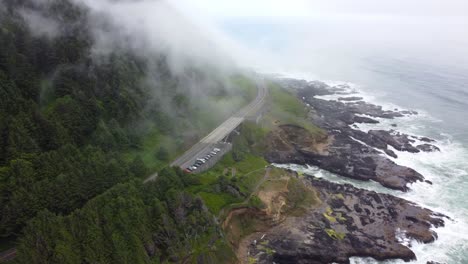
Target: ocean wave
[[447, 170]]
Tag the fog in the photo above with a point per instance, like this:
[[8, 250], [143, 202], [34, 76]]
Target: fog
[[41, 25], [200, 57], [148, 28], [156, 27], [326, 37]]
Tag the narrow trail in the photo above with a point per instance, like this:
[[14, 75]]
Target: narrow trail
[[242, 251], [7, 255], [265, 177]]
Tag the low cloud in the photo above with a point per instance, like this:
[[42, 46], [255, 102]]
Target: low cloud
[[39, 24], [154, 28]]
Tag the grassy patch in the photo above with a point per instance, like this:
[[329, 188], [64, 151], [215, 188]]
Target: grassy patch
[[269, 251], [274, 185], [338, 196], [248, 173], [216, 201], [340, 217], [286, 108], [328, 215], [286, 102], [335, 235], [246, 85], [300, 197], [333, 217], [255, 202]]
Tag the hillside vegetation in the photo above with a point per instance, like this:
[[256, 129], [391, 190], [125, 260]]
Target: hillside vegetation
[[79, 132], [130, 223], [72, 124]]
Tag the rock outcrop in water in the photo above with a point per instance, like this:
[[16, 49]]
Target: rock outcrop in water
[[347, 151], [349, 222]]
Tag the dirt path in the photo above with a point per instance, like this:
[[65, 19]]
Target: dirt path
[[265, 177], [243, 249], [243, 253], [7, 255]]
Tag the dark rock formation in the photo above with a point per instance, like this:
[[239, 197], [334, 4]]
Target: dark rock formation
[[348, 152], [349, 222], [427, 148], [341, 154], [352, 98]]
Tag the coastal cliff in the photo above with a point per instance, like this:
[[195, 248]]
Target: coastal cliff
[[341, 221]]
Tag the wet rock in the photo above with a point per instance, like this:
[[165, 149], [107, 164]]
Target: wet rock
[[352, 98], [361, 222], [407, 112], [427, 148], [363, 119], [352, 153], [397, 140], [427, 140], [364, 224], [343, 155]]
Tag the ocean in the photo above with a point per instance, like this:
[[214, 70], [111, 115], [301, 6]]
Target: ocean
[[412, 66]]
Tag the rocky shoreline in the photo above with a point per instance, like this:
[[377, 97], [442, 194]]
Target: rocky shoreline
[[349, 152], [349, 222]]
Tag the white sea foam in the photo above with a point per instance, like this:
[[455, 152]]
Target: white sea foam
[[447, 170]]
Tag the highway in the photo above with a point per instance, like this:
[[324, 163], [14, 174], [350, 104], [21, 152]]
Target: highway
[[203, 147], [206, 145]]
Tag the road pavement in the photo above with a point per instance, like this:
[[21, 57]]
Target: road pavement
[[206, 145]]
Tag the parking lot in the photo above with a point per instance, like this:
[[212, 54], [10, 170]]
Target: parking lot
[[207, 158]]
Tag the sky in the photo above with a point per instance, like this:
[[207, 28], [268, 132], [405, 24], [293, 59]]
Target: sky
[[223, 9], [295, 32], [277, 34]]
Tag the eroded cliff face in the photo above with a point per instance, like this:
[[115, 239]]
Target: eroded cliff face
[[348, 222], [280, 195], [343, 221], [306, 220]]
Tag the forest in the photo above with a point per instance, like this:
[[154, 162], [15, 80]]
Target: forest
[[73, 134], [130, 223]]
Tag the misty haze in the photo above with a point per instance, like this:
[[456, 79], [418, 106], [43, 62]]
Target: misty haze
[[248, 131]]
